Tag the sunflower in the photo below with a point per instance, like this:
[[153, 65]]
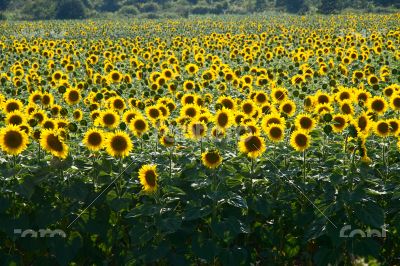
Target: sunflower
[[115, 77], [279, 94], [148, 178], [196, 129], [153, 113], [382, 129], [94, 139], [118, 144], [339, 122], [77, 114], [248, 107], [305, 122], [109, 119], [189, 85], [395, 102], [273, 118], [15, 118], [362, 123], [189, 110], [300, 140], [227, 101], [47, 99], [167, 140], [12, 105], [116, 103], [322, 97], [394, 126], [378, 105], [276, 133], [288, 107], [13, 140], [252, 145], [211, 159], [223, 118], [191, 68], [72, 96], [138, 126], [372, 80], [346, 107], [52, 142]]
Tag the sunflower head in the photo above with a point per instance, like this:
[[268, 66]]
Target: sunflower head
[[118, 144], [148, 178], [94, 139], [211, 159], [13, 140], [53, 142], [300, 140], [252, 145]]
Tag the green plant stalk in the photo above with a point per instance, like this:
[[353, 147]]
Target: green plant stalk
[[304, 166]]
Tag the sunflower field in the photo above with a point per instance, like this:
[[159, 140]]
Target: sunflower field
[[204, 141]]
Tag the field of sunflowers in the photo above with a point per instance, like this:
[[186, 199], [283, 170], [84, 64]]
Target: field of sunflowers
[[203, 141]]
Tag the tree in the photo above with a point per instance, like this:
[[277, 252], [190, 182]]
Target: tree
[[70, 9], [328, 6], [110, 5], [295, 6], [4, 4]]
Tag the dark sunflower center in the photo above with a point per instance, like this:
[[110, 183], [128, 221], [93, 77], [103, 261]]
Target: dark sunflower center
[[346, 109], [222, 119], [94, 139], [253, 143], [279, 95], [150, 177], [73, 96], [54, 143], [396, 102], [362, 123], [109, 119], [140, 125], [276, 132], [323, 99], [191, 112], [189, 99], [48, 125], [212, 157], [154, 113], [287, 108], [344, 96], [394, 126], [383, 128], [45, 99], [15, 120], [301, 140], [247, 108], [305, 122], [12, 107], [13, 139], [119, 143], [377, 105], [115, 76], [339, 122], [261, 98], [118, 104], [227, 103]]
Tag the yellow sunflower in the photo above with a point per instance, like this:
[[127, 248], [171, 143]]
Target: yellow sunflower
[[13, 140], [52, 142], [211, 159], [148, 178], [252, 145], [94, 139], [300, 140], [118, 144]]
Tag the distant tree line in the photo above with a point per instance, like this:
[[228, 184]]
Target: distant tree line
[[77, 9]]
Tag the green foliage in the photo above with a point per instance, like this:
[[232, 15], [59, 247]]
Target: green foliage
[[70, 9], [47, 9]]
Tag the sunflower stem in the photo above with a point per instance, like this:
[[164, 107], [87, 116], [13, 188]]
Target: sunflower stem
[[304, 165], [201, 146], [170, 163]]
